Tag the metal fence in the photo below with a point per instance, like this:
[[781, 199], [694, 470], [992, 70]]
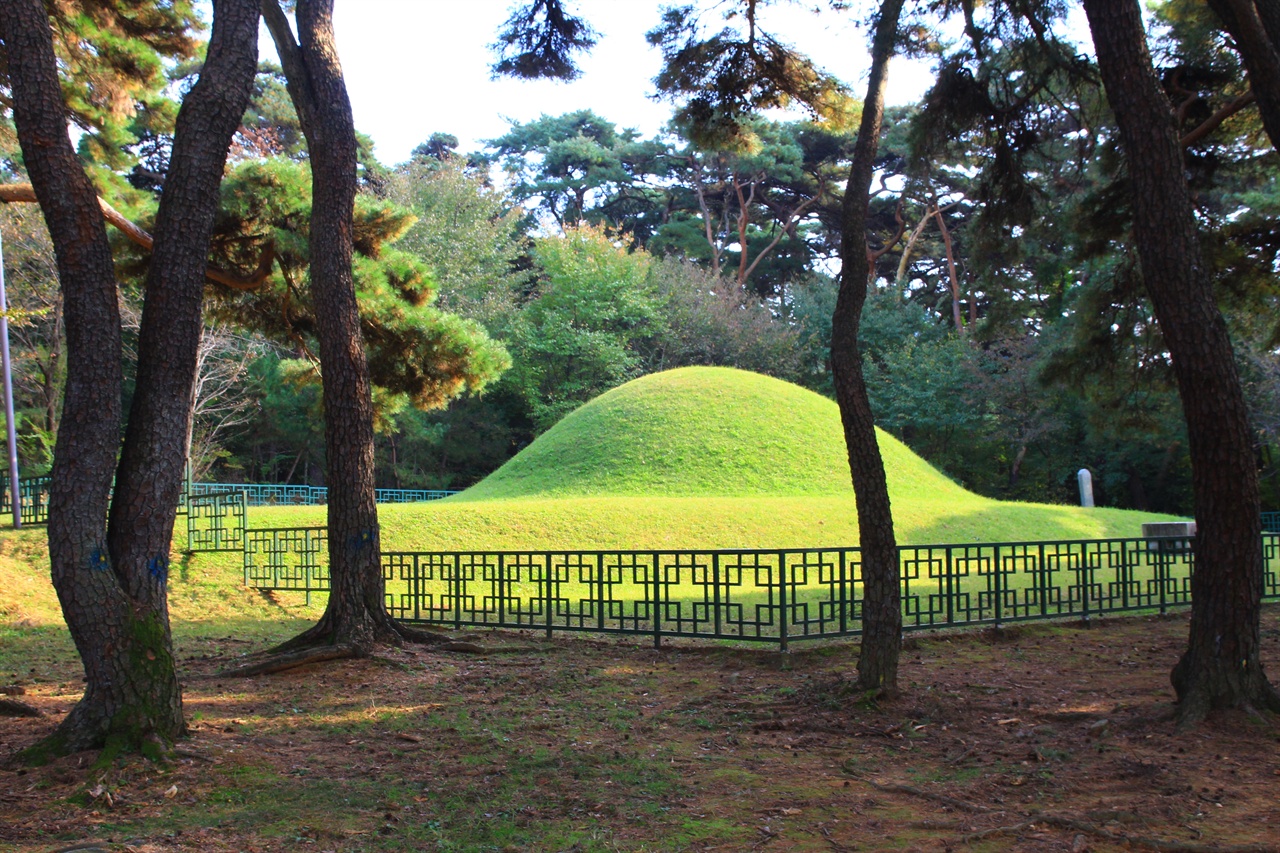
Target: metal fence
[[267, 494], [774, 596], [34, 492], [1271, 522], [216, 521], [34, 495]]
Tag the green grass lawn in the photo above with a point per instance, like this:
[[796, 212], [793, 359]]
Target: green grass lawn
[[706, 457], [700, 458], [572, 745], [702, 431], [696, 458]]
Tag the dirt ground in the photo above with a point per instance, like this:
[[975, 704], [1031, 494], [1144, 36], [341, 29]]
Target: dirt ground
[[1032, 738]]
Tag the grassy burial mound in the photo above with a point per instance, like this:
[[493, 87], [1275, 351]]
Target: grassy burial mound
[[701, 431], [690, 458], [707, 457]]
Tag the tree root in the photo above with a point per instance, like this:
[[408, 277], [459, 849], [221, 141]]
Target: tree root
[[194, 756], [417, 635], [284, 661], [293, 660], [441, 642], [14, 708], [951, 802], [1063, 822], [316, 645], [463, 646]]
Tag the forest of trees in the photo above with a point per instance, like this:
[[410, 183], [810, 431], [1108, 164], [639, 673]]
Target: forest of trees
[[1057, 271], [1006, 338]]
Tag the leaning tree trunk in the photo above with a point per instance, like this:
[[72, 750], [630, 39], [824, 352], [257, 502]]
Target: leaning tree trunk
[[1221, 667], [94, 604], [356, 614], [881, 605], [111, 580]]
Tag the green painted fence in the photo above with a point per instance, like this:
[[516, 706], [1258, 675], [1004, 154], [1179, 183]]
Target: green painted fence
[[776, 596]]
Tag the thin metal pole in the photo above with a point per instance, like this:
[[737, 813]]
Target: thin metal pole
[[11, 428]]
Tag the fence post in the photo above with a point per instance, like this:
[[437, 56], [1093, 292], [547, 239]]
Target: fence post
[[309, 567], [1042, 572], [456, 588], [191, 527], [950, 584], [715, 591], [657, 605], [1085, 578], [415, 586], [782, 601], [547, 594], [1262, 575], [503, 590], [844, 592], [600, 588], [999, 576], [1126, 574], [1162, 574]]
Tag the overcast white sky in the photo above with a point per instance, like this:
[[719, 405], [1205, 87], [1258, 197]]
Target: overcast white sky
[[415, 67]]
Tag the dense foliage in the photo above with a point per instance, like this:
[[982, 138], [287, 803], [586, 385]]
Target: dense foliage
[[1007, 339]]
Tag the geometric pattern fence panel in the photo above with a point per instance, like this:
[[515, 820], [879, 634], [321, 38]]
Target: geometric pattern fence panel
[[1270, 565], [991, 583], [272, 494], [34, 494], [409, 496], [265, 494], [774, 596], [744, 595], [289, 558], [216, 522]]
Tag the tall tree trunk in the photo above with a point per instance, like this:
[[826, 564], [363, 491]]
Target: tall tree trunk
[[904, 262], [706, 217], [952, 276], [111, 578], [744, 219], [356, 614], [881, 606], [1221, 667], [1015, 470], [92, 599]]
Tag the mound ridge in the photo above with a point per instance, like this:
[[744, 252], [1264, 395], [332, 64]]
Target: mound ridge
[[701, 431]]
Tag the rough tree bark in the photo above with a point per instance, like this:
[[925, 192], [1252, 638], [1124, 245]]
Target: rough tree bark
[[111, 576], [881, 605], [356, 615], [1221, 667]]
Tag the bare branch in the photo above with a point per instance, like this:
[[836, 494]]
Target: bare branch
[[17, 193]]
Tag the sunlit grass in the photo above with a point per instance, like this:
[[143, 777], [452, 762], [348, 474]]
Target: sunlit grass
[[701, 431], [697, 458]]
